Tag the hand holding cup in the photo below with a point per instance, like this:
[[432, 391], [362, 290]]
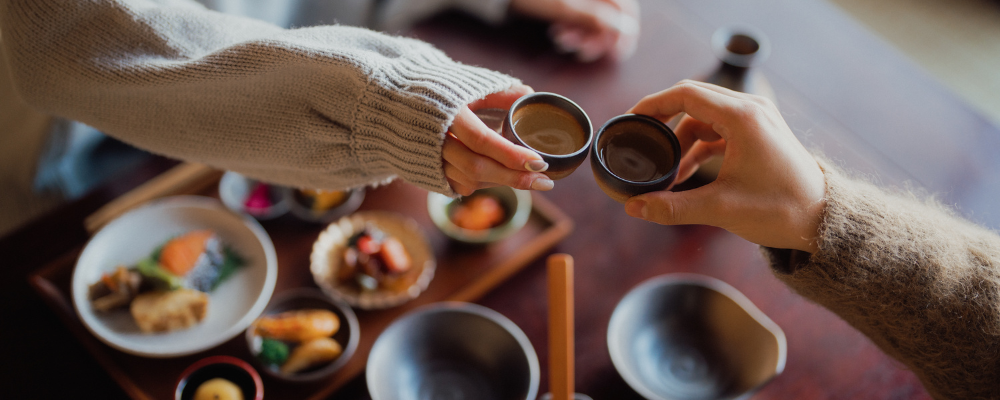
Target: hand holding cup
[[770, 189], [477, 157]]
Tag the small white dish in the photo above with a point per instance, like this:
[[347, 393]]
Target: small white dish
[[133, 236], [516, 204], [234, 189], [328, 250]]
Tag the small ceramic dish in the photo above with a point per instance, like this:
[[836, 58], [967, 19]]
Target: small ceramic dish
[[347, 335], [452, 350], [327, 259], [307, 206], [252, 197], [516, 205], [688, 336], [232, 369]]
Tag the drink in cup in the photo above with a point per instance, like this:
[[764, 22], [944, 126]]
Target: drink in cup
[[553, 126], [634, 154]]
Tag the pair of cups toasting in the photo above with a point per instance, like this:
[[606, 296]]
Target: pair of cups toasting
[[630, 155]]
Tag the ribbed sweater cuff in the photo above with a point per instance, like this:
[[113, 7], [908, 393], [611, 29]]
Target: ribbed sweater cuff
[[405, 112]]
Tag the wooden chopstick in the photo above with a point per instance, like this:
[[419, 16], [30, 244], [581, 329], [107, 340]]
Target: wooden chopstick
[[560, 279]]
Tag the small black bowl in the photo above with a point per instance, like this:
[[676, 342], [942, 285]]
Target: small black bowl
[[229, 368], [660, 142], [560, 165]]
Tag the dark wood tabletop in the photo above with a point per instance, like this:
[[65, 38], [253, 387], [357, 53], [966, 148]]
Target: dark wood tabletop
[[843, 91]]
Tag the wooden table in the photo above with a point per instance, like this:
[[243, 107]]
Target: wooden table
[[842, 90]]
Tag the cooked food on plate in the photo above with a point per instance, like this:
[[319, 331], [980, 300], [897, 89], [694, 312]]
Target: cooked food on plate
[[299, 326], [295, 341], [374, 260], [320, 201], [218, 389], [478, 212], [168, 310], [168, 290]]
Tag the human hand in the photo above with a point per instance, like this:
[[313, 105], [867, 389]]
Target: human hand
[[477, 157], [770, 190], [590, 28]]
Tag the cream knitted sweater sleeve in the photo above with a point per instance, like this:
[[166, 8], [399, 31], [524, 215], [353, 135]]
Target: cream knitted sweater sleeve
[[919, 281], [322, 107]]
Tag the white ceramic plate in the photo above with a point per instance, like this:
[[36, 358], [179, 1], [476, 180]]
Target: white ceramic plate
[[232, 306]]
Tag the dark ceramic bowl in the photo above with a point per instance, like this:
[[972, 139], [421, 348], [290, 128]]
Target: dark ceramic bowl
[[452, 351], [560, 165], [622, 189], [229, 368], [692, 337], [307, 298], [301, 210]]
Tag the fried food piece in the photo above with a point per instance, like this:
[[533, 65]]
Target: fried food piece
[[314, 352], [161, 311], [115, 290], [298, 325]]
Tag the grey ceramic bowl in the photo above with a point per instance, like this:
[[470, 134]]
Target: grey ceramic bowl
[[307, 298], [692, 337], [453, 351], [516, 203]]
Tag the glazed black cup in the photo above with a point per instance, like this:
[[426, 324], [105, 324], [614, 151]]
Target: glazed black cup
[[560, 165], [622, 189]]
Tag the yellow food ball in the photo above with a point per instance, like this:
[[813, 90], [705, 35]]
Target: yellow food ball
[[218, 389]]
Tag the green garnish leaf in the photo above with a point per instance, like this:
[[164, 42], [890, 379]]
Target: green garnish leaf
[[230, 264]]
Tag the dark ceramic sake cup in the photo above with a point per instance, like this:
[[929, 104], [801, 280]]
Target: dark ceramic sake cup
[[621, 189], [560, 165]]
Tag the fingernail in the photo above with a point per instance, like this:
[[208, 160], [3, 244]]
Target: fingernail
[[568, 41], [536, 166], [625, 24], [542, 184], [636, 208]]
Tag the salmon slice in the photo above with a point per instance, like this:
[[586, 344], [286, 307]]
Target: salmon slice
[[181, 254]]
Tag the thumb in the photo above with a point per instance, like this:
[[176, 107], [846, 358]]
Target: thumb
[[675, 208]]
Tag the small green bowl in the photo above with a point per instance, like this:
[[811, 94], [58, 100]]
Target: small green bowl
[[517, 204]]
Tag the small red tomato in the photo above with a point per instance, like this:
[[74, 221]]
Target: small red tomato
[[395, 256], [368, 245]]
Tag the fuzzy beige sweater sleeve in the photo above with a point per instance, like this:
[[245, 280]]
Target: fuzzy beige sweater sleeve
[[919, 281], [322, 107]]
